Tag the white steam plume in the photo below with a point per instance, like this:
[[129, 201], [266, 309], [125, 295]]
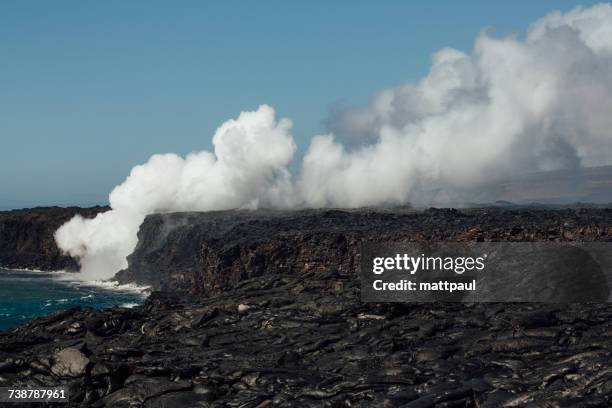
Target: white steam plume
[[511, 106], [248, 169]]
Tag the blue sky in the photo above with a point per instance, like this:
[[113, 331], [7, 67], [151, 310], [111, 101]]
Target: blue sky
[[89, 89]]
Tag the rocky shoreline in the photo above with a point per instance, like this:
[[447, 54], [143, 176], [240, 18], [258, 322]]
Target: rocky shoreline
[[308, 341], [263, 309]]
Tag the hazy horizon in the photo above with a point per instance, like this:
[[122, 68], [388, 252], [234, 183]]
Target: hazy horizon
[[520, 190]]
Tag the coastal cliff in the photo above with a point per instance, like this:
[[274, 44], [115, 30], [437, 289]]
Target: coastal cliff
[[26, 237], [207, 253]]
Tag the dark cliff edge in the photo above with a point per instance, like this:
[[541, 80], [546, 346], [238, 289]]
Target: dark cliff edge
[[262, 309], [206, 253], [26, 237]]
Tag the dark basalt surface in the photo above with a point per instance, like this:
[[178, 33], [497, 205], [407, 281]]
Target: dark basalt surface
[[205, 253], [26, 237], [307, 341], [263, 309]]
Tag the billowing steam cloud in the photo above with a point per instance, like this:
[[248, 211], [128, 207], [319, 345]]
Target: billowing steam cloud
[[513, 105], [247, 170]]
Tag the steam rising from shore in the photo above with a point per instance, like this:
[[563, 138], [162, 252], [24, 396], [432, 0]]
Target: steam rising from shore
[[512, 105], [248, 169]]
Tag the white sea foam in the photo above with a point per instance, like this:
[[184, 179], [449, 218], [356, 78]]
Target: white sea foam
[[73, 278], [9, 269], [112, 285], [129, 305], [76, 280]]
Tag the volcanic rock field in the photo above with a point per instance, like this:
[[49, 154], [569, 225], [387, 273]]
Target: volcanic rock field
[[263, 309]]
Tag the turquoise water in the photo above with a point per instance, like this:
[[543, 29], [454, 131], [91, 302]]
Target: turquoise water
[[24, 295]]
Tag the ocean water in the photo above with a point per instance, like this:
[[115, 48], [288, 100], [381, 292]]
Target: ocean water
[[28, 294]]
